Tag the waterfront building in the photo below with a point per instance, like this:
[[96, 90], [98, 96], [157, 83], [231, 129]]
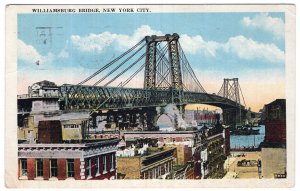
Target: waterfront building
[[206, 116], [273, 148]]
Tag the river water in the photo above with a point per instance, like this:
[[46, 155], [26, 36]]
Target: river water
[[235, 140], [248, 140]]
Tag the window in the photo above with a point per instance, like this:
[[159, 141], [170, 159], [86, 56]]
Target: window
[[70, 126], [104, 163], [70, 167], [39, 167], [166, 170], [112, 161], [53, 168], [23, 163], [97, 165], [88, 167], [167, 167]]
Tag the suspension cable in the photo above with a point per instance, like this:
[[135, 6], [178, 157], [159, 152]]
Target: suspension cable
[[190, 70], [242, 94], [132, 76], [129, 67], [111, 62], [117, 67]]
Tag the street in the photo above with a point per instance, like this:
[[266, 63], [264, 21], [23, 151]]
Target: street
[[235, 171]]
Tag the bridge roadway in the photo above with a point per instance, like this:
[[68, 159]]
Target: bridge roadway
[[85, 97]]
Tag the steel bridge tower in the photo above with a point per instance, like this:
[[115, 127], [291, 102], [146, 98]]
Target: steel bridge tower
[[231, 90], [176, 86]]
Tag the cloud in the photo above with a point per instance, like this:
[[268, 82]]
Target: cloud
[[93, 42], [99, 42], [145, 30], [249, 49], [267, 23], [29, 54], [244, 48], [195, 44]]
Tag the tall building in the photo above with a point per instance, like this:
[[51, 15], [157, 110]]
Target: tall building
[[214, 152]]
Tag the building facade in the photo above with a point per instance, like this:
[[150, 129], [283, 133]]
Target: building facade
[[85, 161], [214, 152], [155, 163], [273, 148]]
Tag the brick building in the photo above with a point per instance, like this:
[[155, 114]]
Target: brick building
[[206, 116], [275, 122], [213, 154], [182, 172], [155, 163], [273, 148], [82, 161], [187, 144]]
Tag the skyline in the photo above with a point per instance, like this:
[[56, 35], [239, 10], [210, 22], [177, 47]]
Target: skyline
[[249, 46]]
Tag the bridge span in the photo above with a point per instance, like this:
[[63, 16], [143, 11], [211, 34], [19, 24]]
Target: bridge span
[[168, 79]]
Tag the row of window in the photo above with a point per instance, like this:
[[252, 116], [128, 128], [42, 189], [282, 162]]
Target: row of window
[[73, 126], [53, 167], [158, 171], [70, 166], [105, 136], [98, 164]]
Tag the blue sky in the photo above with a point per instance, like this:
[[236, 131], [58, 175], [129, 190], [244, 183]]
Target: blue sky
[[250, 46]]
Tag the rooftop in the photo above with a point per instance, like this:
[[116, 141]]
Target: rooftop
[[160, 132], [46, 83], [83, 144]]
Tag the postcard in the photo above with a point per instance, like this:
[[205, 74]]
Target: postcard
[[114, 96]]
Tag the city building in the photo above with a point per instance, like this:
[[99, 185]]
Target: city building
[[73, 125], [214, 152], [145, 163], [273, 148], [182, 172], [40, 104], [59, 161], [206, 116], [42, 97], [189, 137]]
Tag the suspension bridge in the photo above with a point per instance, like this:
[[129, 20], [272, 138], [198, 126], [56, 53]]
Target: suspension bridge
[[168, 79]]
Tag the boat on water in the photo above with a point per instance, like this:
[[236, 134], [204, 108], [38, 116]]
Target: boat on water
[[244, 131]]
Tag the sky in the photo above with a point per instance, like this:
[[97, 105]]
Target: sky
[[70, 47]]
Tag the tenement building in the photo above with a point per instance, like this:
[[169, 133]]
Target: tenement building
[[213, 154]]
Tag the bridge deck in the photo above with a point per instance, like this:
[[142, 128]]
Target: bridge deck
[[78, 97]]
